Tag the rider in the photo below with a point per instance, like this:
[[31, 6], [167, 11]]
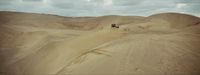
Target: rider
[[114, 26]]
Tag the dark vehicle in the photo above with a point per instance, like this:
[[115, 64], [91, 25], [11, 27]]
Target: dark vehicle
[[114, 26]]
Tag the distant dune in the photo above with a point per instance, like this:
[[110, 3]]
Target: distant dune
[[161, 44]]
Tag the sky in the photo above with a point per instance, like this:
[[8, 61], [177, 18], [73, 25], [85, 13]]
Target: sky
[[102, 7]]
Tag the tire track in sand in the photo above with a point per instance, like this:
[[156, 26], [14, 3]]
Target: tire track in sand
[[54, 58]]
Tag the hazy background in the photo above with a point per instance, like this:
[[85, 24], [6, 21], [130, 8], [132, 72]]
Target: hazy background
[[101, 7]]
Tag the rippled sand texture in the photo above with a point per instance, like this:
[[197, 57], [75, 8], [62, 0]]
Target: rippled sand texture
[[167, 43]]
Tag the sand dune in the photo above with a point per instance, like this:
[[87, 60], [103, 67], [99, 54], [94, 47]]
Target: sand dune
[[166, 43]]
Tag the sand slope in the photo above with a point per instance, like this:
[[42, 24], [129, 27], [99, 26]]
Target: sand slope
[[166, 43]]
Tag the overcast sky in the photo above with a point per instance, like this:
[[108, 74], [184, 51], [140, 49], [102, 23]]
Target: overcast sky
[[102, 7]]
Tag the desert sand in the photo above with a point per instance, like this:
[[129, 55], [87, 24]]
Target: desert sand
[[160, 44]]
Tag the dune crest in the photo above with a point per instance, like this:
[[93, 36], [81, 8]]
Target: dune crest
[[166, 43]]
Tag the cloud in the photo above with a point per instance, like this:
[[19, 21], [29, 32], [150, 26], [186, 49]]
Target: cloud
[[32, 0], [101, 7], [181, 5], [7, 2]]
